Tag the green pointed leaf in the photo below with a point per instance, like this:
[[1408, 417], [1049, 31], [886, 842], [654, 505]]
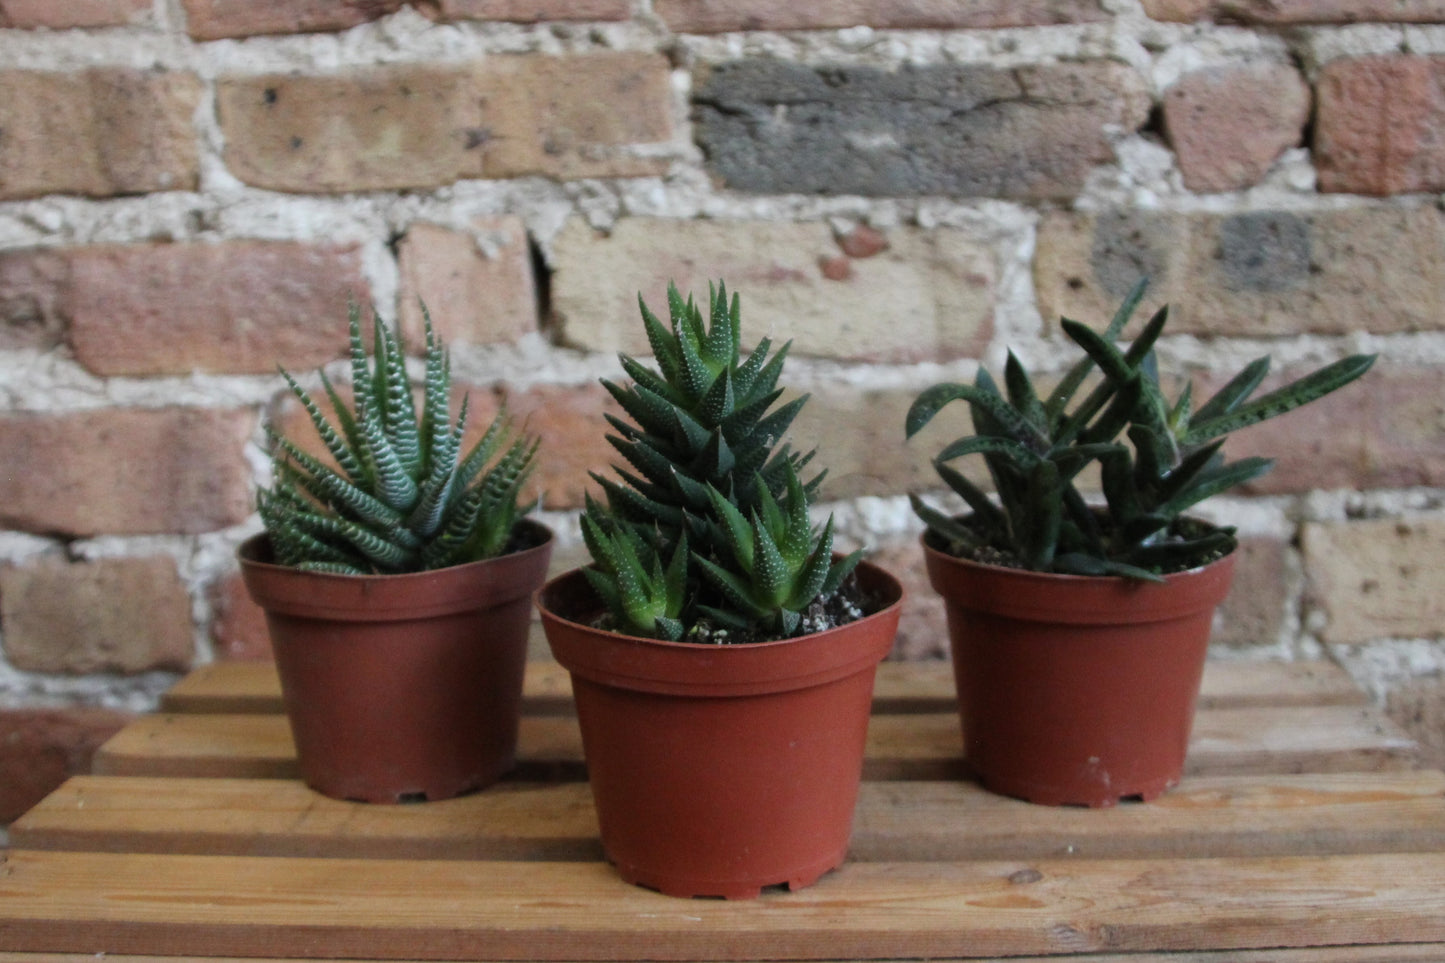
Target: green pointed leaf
[[1300, 392]]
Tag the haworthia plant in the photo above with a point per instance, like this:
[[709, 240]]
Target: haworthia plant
[[1157, 458], [404, 496], [705, 534]]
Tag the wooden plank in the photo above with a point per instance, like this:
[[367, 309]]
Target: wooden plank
[[922, 821], [1396, 953], [253, 906], [916, 746], [252, 687]]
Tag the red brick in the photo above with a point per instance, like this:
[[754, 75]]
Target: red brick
[[863, 241], [928, 297], [41, 748], [1377, 130], [123, 615], [530, 11], [1298, 11], [125, 471], [1385, 431], [49, 15], [215, 19], [238, 625], [1376, 578], [477, 292], [417, 127], [238, 306], [720, 16], [119, 131], [1253, 274], [1228, 125], [32, 284]]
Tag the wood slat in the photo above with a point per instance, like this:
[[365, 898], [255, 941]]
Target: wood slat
[[253, 687], [251, 906], [1326, 738], [922, 821]]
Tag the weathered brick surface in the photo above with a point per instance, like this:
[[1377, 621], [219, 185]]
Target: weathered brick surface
[[238, 625], [238, 306], [32, 284], [1032, 133], [928, 296], [215, 19], [1253, 614], [1297, 11], [718, 16], [118, 131], [125, 471], [1253, 274], [922, 625], [1419, 708], [1379, 122], [477, 292], [114, 615], [47, 14], [1229, 124], [41, 748], [1385, 431], [1377, 578], [530, 11], [416, 127]]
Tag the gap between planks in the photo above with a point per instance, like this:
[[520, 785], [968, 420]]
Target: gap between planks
[[253, 687], [398, 909], [901, 821]]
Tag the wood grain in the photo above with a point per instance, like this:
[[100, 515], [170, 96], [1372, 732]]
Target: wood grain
[[233, 905], [909, 821]]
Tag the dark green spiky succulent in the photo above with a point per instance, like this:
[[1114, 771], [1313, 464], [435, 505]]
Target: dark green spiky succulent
[[708, 523], [1035, 447], [403, 497]]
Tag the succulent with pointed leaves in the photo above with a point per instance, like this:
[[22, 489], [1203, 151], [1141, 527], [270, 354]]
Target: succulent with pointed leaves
[[707, 525], [1035, 447], [404, 496]]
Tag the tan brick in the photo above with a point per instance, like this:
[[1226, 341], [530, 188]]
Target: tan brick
[[125, 471], [41, 748], [239, 306], [417, 127], [1253, 274], [1377, 578], [1386, 431], [32, 285], [49, 15], [922, 625], [215, 19], [1228, 125], [476, 291], [114, 615], [1378, 125], [574, 117], [1297, 11], [119, 132], [1418, 706], [531, 11], [238, 625], [1253, 614], [929, 296], [719, 16]]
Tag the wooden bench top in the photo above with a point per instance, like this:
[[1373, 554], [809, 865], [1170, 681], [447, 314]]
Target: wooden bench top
[[1304, 833]]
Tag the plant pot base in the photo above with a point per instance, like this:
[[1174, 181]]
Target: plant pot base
[[1089, 796], [693, 888]]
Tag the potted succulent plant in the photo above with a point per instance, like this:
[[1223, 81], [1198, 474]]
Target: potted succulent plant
[[1079, 630], [397, 583], [722, 655]]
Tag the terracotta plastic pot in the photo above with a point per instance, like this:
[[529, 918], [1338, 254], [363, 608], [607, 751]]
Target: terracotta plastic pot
[[718, 770], [401, 688], [1076, 690]]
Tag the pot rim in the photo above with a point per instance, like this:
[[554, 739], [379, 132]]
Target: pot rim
[[703, 669]]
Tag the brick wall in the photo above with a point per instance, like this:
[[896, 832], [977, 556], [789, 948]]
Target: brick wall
[[190, 190]]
